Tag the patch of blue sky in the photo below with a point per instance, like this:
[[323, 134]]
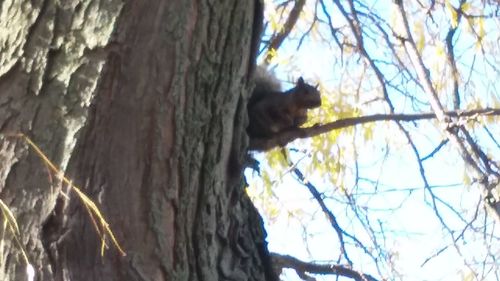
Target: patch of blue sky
[[391, 184]]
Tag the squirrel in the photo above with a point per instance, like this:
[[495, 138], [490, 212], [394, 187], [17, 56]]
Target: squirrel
[[272, 111]]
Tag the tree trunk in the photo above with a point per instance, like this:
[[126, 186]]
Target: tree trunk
[[142, 105]]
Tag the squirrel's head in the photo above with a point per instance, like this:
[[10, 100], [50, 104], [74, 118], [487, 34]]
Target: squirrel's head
[[308, 95]]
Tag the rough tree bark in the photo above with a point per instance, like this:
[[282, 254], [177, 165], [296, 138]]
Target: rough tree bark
[[140, 103]]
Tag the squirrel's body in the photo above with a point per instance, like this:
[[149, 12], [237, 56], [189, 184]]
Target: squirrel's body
[[272, 111]]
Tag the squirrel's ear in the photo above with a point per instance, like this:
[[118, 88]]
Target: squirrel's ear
[[300, 82]]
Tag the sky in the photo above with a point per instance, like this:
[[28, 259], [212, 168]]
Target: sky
[[398, 200]]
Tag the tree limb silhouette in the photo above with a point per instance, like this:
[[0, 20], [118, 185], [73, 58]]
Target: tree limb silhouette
[[281, 139]]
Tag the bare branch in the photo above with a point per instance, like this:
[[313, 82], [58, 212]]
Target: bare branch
[[277, 39], [451, 57], [285, 137], [329, 214], [443, 143], [301, 267]]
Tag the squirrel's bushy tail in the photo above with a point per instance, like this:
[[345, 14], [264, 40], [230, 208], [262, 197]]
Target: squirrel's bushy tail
[[265, 82]]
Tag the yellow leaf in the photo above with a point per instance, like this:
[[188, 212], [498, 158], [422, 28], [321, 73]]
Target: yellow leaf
[[465, 7], [420, 35], [266, 180], [272, 54], [467, 180], [368, 132], [440, 52], [481, 31], [469, 276], [453, 14], [273, 212], [274, 23]]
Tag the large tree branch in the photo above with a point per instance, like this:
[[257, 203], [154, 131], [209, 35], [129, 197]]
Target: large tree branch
[[285, 137], [301, 267]]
